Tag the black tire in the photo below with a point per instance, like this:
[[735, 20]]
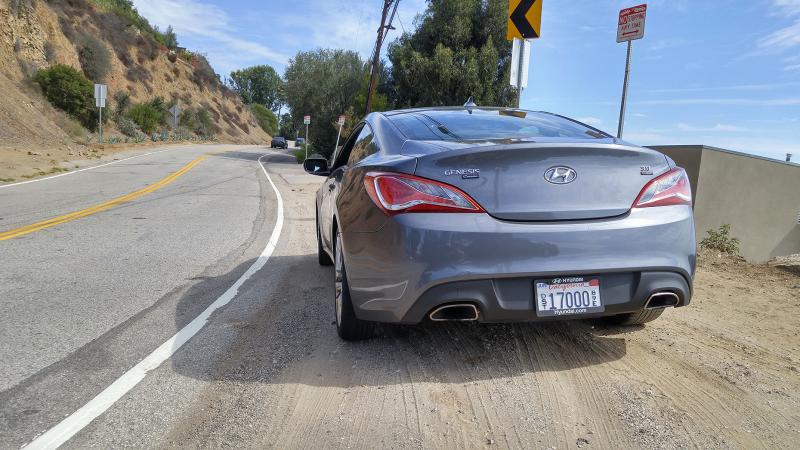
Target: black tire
[[348, 326], [322, 256], [637, 318]]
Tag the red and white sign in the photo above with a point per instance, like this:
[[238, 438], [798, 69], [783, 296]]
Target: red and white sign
[[340, 121], [306, 120], [631, 23]]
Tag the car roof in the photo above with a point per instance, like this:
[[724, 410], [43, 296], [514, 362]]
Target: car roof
[[453, 108]]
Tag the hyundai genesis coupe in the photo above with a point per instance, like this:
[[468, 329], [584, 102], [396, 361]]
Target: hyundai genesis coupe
[[499, 215]]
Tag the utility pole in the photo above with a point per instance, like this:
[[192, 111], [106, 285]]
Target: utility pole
[[376, 56]]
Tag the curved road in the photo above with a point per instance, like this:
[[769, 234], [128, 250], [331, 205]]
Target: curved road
[[89, 299]]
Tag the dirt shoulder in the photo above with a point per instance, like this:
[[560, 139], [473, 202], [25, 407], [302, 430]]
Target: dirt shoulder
[[22, 163], [720, 373]]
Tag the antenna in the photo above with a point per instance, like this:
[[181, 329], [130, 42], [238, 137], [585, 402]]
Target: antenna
[[470, 103]]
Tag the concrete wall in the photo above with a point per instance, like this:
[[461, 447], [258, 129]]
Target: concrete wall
[[758, 197], [688, 157]]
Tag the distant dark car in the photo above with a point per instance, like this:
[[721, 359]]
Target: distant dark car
[[299, 142], [279, 142]]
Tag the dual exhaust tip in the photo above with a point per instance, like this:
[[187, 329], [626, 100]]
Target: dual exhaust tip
[[465, 312]]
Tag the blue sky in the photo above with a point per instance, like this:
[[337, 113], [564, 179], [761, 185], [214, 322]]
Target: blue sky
[[716, 72]]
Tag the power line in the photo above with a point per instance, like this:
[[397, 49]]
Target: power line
[[383, 30]]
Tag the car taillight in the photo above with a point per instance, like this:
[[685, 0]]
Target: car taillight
[[671, 188], [397, 193]]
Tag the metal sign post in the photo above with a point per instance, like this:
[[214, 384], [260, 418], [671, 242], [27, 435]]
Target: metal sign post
[[100, 92], [520, 60], [339, 134], [306, 121], [524, 23], [629, 28]]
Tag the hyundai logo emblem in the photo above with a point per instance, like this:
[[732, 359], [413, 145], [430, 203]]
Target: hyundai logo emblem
[[560, 175]]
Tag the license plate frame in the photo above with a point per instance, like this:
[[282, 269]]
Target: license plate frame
[[552, 295]]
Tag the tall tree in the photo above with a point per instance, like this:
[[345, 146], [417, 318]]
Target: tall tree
[[258, 84], [458, 50], [322, 83]]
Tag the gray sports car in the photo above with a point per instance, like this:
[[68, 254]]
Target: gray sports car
[[500, 215]]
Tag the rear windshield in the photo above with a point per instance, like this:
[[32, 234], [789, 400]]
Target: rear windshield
[[489, 124]]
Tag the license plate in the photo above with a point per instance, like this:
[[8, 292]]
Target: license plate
[[566, 296]]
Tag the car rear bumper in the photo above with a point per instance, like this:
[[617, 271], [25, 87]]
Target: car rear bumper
[[417, 262]]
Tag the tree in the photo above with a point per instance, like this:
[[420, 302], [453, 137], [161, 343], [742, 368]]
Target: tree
[[258, 84], [170, 38], [67, 89], [287, 128], [322, 83], [458, 50], [266, 118]]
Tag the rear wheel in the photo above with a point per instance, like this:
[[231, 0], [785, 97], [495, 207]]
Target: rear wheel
[[637, 318], [348, 326]]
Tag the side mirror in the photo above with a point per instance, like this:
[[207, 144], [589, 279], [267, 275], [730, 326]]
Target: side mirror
[[316, 166]]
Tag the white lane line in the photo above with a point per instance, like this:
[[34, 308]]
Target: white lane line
[[86, 168], [61, 433]]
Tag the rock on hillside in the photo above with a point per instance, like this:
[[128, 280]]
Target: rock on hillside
[[35, 34]]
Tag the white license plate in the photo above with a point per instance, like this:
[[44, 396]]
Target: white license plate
[[568, 295]]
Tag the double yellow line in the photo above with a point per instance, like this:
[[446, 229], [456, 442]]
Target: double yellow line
[[98, 208]]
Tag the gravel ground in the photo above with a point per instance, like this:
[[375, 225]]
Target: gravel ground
[[720, 373]]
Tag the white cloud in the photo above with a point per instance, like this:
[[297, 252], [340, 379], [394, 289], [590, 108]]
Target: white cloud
[[718, 127], [788, 7], [593, 121], [737, 87], [212, 25], [721, 102], [353, 27], [783, 38], [663, 44]]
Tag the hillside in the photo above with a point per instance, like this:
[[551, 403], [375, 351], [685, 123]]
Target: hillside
[[35, 137]]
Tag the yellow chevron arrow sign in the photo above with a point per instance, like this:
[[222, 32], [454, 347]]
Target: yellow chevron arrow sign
[[524, 19]]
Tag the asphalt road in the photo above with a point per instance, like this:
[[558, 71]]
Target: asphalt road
[[88, 302]]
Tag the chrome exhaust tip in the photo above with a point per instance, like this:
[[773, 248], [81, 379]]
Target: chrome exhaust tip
[[460, 312], [661, 300]]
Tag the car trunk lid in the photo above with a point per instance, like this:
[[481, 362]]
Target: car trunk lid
[[509, 180]]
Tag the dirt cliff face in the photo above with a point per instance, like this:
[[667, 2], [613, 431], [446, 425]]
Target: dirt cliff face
[[35, 34]]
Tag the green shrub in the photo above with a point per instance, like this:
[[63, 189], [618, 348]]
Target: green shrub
[[300, 156], [125, 10], [147, 116], [67, 89], [94, 57], [123, 100], [266, 118], [203, 73], [198, 121], [721, 240], [128, 127]]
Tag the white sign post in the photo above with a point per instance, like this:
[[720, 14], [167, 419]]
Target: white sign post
[[100, 92], [339, 134], [520, 59], [307, 122], [630, 27], [175, 111]]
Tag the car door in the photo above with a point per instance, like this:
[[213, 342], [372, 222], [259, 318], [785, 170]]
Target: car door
[[360, 136]]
